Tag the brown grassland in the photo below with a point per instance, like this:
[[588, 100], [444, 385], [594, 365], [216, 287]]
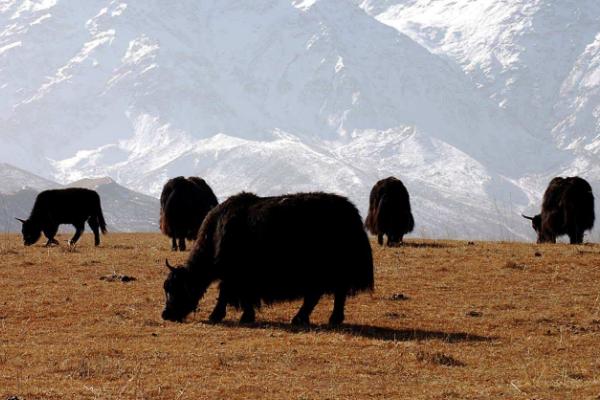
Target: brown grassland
[[447, 320]]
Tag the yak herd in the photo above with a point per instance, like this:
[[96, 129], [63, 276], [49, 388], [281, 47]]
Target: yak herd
[[279, 248]]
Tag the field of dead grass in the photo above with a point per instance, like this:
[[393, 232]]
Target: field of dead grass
[[448, 320]]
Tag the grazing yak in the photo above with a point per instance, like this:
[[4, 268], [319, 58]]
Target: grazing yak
[[567, 208], [389, 211], [184, 202], [272, 249], [72, 206]]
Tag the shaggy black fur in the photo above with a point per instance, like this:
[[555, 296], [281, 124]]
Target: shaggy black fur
[[274, 249], [184, 203], [72, 206], [389, 211], [567, 209]]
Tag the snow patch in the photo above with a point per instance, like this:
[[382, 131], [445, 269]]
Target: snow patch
[[303, 4], [13, 45]]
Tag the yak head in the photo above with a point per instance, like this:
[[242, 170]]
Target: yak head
[[181, 294], [30, 230], [536, 222]]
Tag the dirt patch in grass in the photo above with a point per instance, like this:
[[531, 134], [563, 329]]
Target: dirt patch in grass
[[438, 359]]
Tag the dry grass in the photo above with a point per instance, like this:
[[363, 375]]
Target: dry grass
[[448, 320]]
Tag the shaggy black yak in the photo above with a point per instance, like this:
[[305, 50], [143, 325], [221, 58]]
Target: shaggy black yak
[[274, 249], [567, 208], [389, 211], [72, 206], [184, 203]]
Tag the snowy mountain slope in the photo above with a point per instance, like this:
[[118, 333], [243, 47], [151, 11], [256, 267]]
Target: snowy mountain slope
[[537, 60], [303, 72], [13, 179], [578, 110], [263, 96], [528, 56]]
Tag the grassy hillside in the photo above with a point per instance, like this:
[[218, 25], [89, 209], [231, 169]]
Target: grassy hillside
[[448, 320]]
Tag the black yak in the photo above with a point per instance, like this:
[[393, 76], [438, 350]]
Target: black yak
[[72, 206], [271, 249], [389, 211], [567, 208], [184, 202]]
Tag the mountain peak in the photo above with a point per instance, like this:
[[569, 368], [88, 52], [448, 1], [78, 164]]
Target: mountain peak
[[14, 179], [92, 183]]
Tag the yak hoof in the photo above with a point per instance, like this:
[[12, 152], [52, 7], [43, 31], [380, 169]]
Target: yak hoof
[[215, 318], [336, 319], [247, 318], [52, 242], [299, 320]]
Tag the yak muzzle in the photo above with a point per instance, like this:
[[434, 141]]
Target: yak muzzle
[[170, 316]]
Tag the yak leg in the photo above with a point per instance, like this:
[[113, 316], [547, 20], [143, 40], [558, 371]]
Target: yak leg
[[52, 241], [380, 238], [181, 244], [78, 231], [248, 315], [576, 236], [174, 244], [392, 240], [220, 309], [303, 315], [95, 226], [50, 232], [337, 316]]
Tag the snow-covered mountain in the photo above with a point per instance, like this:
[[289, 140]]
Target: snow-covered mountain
[[537, 59], [13, 179], [277, 96], [124, 209]]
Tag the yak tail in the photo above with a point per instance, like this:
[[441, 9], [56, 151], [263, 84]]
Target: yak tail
[[410, 222], [163, 223], [369, 221], [100, 216], [372, 221]]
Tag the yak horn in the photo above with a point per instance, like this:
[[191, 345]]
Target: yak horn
[[20, 220], [526, 217], [169, 265]]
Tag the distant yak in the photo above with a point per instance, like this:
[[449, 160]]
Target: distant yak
[[389, 211], [72, 206], [567, 208], [272, 249], [184, 203]]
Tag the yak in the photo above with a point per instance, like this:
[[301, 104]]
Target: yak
[[72, 206], [389, 211], [567, 208], [184, 202], [273, 249]]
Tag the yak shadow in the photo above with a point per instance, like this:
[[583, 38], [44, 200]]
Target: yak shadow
[[367, 331]]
